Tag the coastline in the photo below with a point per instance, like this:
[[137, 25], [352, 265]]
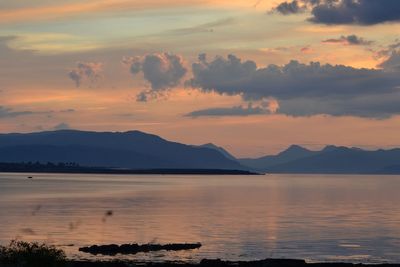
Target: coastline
[[76, 169], [221, 263], [142, 172]]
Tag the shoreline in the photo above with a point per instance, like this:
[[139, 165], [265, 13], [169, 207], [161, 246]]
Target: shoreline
[[22, 168], [222, 263], [142, 172]]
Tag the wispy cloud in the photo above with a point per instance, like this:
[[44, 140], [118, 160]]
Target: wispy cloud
[[10, 113], [203, 28], [65, 10], [229, 111], [348, 40]]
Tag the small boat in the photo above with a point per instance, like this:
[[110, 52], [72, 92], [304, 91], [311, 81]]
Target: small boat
[[30, 177]]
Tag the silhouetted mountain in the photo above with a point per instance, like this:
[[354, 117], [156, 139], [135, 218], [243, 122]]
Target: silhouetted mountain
[[331, 159], [133, 149], [264, 163], [221, 150]]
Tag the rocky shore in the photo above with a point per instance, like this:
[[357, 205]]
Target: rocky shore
[[221, 263]]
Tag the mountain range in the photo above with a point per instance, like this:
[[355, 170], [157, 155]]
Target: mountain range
[[139, 150], [132, 149], [331, 159]]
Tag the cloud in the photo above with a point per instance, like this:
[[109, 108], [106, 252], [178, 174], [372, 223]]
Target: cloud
[[301, 88], [393, 62], [161, 71], [232, 111], [387, 51], [348, 40], [361, 12], [287, 8], [9, 113], [6, 112], [89, 71], [267, 107], [69, 110], [306, 50], [390, 56], [203, 28], [369, 106], [62, 126]]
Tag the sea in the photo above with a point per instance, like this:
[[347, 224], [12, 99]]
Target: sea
[[319, 218]]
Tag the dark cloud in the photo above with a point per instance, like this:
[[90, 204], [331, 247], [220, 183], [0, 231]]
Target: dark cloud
[[393, 62], [287, 8], [10, 113], [162, 71], [370, 106], [390, 56], [386, 52], [231, 111], [300, 88], [89, 71], [62, 126], [362, 12], [349, 40]]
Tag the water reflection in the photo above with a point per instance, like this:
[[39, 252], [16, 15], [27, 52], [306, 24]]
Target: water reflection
[[353, 218]]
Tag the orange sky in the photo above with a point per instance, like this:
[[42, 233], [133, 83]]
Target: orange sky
[[42, 43]]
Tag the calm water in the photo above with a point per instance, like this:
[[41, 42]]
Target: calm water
[[314, 217]]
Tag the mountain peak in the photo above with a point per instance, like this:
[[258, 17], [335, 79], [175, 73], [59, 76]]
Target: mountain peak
[[329, 148], [220, 150], [295, 149]]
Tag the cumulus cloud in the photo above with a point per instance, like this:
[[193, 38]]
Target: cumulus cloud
[[348, 40], [287, 8], [86, 71], [161, 71], [362, 12], [300, 89]]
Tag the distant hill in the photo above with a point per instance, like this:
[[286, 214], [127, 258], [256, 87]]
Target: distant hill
[[331, 159], [264, 163], [132, 149], [136, 150]]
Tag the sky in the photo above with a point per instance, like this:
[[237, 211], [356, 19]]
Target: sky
[[251, 76]]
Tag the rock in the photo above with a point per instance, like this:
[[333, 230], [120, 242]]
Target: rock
[[114, 249]]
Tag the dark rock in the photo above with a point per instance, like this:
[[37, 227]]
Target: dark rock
[[113, 249]]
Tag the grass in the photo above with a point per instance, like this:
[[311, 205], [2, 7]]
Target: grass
[[25, 254]]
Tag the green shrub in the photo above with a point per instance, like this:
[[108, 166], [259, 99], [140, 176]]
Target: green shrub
[[25, 254]]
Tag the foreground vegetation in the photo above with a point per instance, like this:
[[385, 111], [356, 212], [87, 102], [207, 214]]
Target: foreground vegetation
[[21, 254]]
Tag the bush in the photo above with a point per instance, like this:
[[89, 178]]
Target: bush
[[25, 254]]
